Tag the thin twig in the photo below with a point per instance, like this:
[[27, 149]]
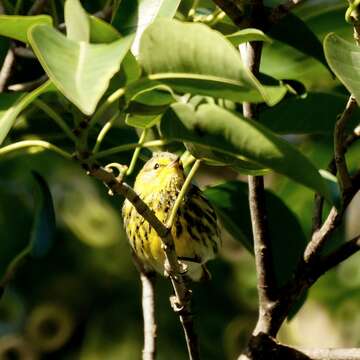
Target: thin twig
[[21, 145], [319, 200], [148, 307], [28, 86], [24, 52], [105, 129], [136, 153], [56, 117], [332, 354], [6, 70], [266, 282], [127, 147], [234, 10], [339, 149], [339, 255], [181, 303], [280, 11], [37, 7], [183, 191], [265, 347]]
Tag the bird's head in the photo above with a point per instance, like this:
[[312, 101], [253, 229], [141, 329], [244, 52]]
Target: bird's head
[[164, 169]]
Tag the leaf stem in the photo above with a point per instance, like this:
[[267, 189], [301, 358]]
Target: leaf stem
[[34, 143], [105, 105], [182, 193], [18, 6], [56, 117], [127, 147], [105, 129], [136, 153]]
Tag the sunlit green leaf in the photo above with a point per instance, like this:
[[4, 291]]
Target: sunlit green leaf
[[101, 31], [16, 27], [76, 21], [247, 35], [193, 58], [344, 58], [133, 16], [218, 129], [80, 71]]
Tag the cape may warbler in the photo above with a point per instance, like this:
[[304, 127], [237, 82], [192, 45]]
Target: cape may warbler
[[195, 230]]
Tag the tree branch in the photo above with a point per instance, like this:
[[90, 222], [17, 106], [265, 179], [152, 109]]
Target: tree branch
[[148, 307], [37, 7], [6, 70], [233, 9], [339, 148], [182, 299], [266, 283], [332, 354], [339, 255], [264, 347], [319, 200]]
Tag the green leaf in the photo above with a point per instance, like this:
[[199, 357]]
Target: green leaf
[[285, 62], [76, 21], [151, 101], [293, 31], [314, 113], [247, 35], [43, 230], [81, 71], [16, 27], [343, 57], [216, 158], [231, 202], [101, 31], [193, 58], [218, 129], [133, 16], [12, 105], [42, 234]]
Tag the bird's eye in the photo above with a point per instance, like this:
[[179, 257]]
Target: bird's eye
[[156, 166]]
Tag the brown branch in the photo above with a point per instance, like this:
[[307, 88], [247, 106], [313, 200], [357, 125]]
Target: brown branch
[[28, 86], [37, 7], [339, 149], [266, 282], [182, 299], [148, 308], [319, 200], [332, 354], [339, 255], [6, 70], [148, 305], [280, 11], [24, 52], [233, 9], [264, 347]]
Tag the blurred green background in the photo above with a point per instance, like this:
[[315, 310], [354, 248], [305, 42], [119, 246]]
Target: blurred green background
[[83, 300]]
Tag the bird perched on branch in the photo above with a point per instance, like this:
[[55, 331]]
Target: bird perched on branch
[[195, 230]]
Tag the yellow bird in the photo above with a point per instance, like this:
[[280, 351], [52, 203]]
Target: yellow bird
[[195, 230]]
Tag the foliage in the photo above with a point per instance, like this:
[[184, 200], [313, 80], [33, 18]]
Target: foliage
[[162, 75]]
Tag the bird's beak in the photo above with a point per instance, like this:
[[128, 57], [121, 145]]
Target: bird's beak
[[175, 163]]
